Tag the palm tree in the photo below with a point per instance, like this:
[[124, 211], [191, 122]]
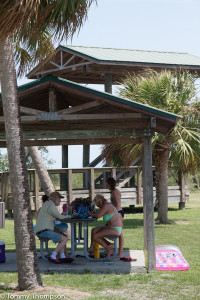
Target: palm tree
[[28, 20], [42, 172], [176, 93], [24, 235]]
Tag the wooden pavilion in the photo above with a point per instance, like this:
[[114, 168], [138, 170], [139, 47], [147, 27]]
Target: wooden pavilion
[[56, 111], [99, 65]]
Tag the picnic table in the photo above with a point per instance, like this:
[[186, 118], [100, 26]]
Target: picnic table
[[79, 234]]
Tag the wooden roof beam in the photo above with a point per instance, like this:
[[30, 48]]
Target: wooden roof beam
[[108, 69], [59, 142], [69, 60], [131, 68], [54, 64], [60, 68], [33, 89], [54, 116], [88, 134], [77, 108], [30, 111], [85, 134]]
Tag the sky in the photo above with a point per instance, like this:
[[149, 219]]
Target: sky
[[160, 25]]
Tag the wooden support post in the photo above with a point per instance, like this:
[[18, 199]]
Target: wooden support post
[[52, 101], [148, 207], [2, 214], [139, 187], [36, 191], [64, 176], [86, 155], [132, 179], [108, 83], [86, 161], [3, 186], [4, 193], [182, 187], [92, 187], [108, 89], [104, 180], [6, 186], [113, 173], [70, 191]]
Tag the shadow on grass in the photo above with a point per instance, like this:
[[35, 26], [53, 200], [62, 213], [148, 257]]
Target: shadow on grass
[[172, 222], [133, 210], [172, 209], [139, 209]]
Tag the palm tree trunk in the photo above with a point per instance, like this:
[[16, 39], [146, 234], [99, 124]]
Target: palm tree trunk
[[27, 261], [43, 175], [161, 170]]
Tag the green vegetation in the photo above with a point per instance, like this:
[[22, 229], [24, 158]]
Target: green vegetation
[[4, 166], [182, 230], [177, 93]]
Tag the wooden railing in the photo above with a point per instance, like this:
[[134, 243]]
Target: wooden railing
[[129, 183]]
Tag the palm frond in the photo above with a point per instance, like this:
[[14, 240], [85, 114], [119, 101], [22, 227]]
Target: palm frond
[[186, 149], [15, 14], [175, 92], [23, 59], [121, 155], [30, 49], [160, 90], [62, 17]]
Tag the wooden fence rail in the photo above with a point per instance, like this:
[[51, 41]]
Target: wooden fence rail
[[130, 185]]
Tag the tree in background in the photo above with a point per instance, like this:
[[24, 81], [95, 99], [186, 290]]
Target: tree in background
[[28, 20], [174, 92], [4, 164], [42, 172], [36, 158]]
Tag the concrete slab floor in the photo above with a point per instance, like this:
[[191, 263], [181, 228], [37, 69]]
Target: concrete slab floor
[[83, 265]]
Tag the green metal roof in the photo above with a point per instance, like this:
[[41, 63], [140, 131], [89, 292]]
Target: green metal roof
[[135, 56], [145, 108]]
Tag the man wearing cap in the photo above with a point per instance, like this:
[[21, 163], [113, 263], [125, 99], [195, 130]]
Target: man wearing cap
[[47, 216]]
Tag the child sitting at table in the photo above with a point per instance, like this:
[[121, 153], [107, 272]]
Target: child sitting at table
[[81, 207]]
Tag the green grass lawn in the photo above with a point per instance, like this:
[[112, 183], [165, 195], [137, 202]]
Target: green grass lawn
[[183, 230]]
